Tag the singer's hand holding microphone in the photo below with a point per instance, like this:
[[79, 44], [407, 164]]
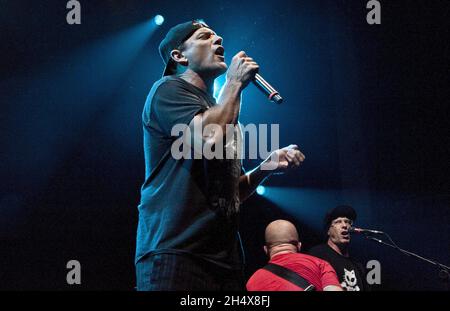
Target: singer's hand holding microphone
[[244, 69]]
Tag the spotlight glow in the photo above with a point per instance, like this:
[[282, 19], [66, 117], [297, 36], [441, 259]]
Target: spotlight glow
[[218, 84], [260, 190], [159, 20]]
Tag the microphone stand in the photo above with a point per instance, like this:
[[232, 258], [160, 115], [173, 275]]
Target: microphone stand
[[444, 271]]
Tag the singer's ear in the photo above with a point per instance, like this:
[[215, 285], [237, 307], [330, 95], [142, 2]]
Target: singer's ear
[[266, 250], [179, 57]]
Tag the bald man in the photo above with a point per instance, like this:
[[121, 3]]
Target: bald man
[[283, 247]]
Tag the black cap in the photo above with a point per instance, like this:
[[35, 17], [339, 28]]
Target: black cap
[[339, 211], [174, 38]]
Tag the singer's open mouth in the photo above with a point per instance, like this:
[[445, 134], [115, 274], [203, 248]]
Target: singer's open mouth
[[220, 51]]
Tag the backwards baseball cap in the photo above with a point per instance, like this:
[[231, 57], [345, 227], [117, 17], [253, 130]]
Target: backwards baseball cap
[[339, 211], [173, 40]]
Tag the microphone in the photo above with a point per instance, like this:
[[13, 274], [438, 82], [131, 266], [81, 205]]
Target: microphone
[[359, 230], [267, 89]]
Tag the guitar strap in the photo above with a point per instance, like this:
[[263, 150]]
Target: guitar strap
[[289, 276]]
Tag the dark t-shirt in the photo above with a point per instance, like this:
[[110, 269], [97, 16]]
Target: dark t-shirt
[[316, 271], [188, 206], [351, 273]]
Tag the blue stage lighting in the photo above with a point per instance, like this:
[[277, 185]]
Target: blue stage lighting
[[217, 88], [159, 19], [260, 190]]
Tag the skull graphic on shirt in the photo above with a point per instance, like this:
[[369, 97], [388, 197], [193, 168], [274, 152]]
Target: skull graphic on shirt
[[350, 281]]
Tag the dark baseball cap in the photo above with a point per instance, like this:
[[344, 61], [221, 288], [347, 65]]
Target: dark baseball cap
[[339, 211], [173, 40]]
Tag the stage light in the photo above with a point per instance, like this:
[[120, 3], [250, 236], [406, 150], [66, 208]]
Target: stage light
[[260, 190], [159, 20], [217, 89]]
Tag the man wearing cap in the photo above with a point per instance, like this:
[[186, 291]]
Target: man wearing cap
[[187, 235], [351, 273], [288, 269]]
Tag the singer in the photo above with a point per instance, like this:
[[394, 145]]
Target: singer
[[337, 223], [187, 236]]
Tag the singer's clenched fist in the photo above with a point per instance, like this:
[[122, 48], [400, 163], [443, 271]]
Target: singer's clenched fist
[[283, 159], [242, 69]]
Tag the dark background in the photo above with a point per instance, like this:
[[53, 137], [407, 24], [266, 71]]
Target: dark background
[[367, 104]]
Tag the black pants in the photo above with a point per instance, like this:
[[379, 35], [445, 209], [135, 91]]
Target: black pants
[[170, 272]]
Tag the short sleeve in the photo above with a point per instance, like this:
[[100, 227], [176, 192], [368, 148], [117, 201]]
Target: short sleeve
[[327, 275], [174, 104]]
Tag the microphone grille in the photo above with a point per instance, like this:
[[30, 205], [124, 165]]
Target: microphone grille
[[277, 98]]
